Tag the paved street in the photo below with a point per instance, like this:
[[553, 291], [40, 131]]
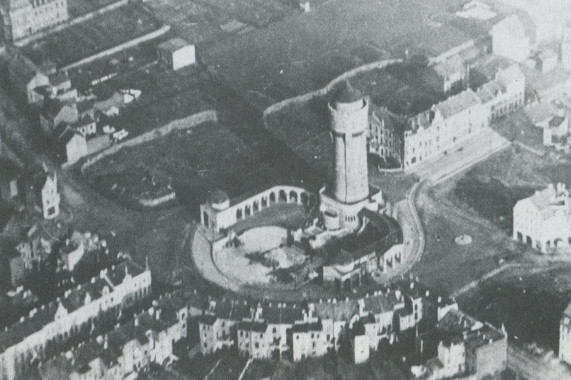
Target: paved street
[[467, 153]]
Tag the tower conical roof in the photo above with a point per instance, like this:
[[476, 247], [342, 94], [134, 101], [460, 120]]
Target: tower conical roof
[[347, 94]]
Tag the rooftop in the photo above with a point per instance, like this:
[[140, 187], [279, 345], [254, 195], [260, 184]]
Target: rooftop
[[173, 45], [458, 103], [450, 66], [347, 94], [548, 201]]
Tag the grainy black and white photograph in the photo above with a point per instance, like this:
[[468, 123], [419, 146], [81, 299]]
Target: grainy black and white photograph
[[285, 189]]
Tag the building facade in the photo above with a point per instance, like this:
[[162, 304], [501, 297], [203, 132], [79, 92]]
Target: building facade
[[565, 336], [407, 141], [124, 351], [38, 336], [176, 53], [543, 221], [23, 18]]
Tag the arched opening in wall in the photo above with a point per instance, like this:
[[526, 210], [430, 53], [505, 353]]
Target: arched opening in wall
[[247, 210], [264, 202], [272, 197], [282, 196], [239, 214], [519, 237], [293, 196], [304, 199], [255, 206], [205, 218], [528, 241], [413, 160]]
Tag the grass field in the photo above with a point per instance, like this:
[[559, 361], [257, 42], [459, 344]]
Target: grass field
[[529, 304], [92, 36], [306, 51], [207, 157], [304, 127], [201, 21], [166, 96], [518, 127], [80, 7], [493, 187]]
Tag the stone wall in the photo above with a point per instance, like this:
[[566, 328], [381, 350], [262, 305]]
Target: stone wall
[[149, 36], [276, 107]]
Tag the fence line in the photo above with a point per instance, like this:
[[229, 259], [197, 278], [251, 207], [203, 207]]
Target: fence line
[[179, 124]]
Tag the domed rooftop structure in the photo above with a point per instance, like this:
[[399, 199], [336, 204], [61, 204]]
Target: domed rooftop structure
[[347, 94], [218, 197]]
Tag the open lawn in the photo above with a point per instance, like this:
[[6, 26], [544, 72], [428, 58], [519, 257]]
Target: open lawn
[[92, 36], [518, 127], [528, 304], [166, 96], [203, 21], [80, 7], [492, 188], [306, 51], [206, 157]]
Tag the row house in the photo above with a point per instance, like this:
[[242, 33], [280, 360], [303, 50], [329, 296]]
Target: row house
[[35, 338], [565, 335], [24, 18], [217, 327], [128, 349], [34, 245], [25, 77], [265, 335], [407, 141], [543, 221], [313, 329], [461, 346], [42, 193], [504, 94]]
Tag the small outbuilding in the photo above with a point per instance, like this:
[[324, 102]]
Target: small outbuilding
[[176, 53]]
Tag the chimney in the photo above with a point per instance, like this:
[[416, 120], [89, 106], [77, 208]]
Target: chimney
[[439, 299], [159, 315], [136, 321], [105, 343]]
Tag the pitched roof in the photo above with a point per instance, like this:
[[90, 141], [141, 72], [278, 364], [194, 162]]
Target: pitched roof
[[450, 66], [347, 94], [458, 103], [23, 69], [173, 45], [339, 311]]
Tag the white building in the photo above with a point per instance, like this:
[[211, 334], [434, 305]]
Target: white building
[[23, 18], [176, 53], [504, 94], [42, 193], [565, 336], [46, 328], [510, 40], [556, 130], [566, 46], [543, 221], [131, 347]]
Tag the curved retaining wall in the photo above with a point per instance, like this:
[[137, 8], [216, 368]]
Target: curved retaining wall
[[176, 125], [325, 90]]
